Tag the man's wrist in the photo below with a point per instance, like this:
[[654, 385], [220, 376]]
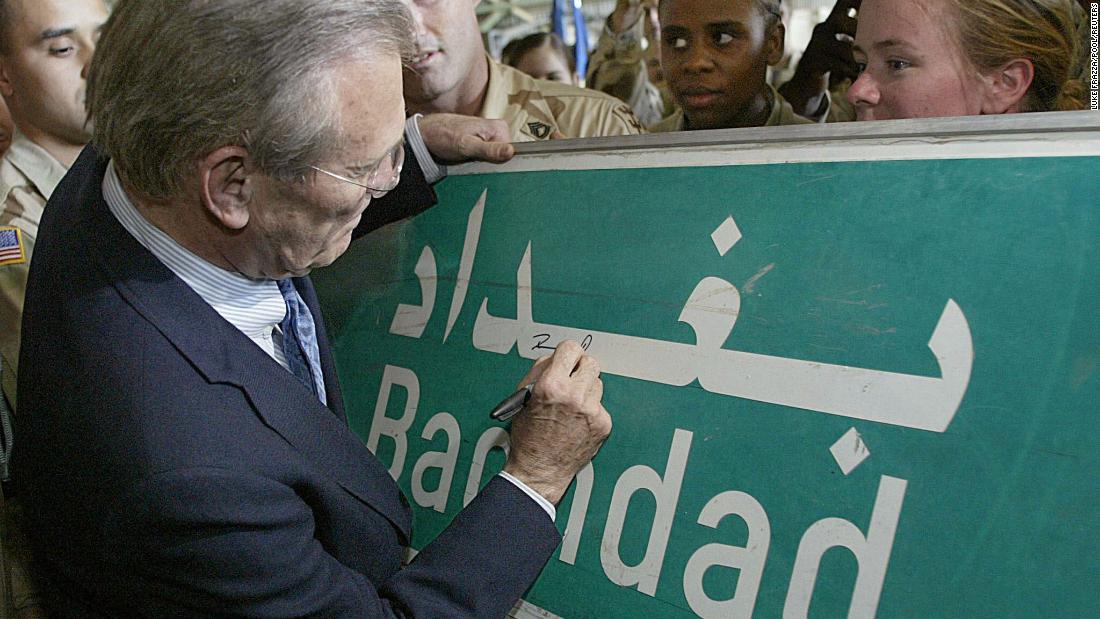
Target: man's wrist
[[803, 90], [433, 171], [810, 76], [542, 501], [547, 484]]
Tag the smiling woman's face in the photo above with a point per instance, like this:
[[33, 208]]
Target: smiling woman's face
[[912, 65]]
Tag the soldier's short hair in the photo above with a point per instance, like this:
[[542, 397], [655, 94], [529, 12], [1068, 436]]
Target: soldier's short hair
[[770, 9]]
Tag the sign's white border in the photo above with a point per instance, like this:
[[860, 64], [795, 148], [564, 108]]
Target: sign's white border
[[1051, 134]]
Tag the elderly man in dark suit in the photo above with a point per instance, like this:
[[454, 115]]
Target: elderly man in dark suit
[[183, 448]]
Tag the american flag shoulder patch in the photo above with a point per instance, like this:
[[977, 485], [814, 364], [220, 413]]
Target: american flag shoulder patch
[[11, 246]]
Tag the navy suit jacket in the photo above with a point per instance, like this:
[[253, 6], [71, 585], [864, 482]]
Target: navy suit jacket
[[171, 468]]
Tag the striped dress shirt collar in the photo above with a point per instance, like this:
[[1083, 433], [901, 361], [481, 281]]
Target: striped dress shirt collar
[[254, 306]]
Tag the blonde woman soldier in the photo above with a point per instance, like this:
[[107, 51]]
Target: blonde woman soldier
[[930, 58]]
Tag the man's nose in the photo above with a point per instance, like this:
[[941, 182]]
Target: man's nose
[[86, 52]]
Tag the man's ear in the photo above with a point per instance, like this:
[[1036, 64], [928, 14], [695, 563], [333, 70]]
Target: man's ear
[[1007, 86], [773, 46], [225, 187]]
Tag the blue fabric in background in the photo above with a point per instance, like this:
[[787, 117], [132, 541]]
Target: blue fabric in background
[[557, 25], [557, 19], [580, 50]]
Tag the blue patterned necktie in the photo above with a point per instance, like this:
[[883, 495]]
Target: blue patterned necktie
[[300, 341]]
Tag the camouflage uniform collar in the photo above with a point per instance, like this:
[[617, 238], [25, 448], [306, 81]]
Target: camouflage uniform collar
[[670, 123], [496, 93], [39, 166]]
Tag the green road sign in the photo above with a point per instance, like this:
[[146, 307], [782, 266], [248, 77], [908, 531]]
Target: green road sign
[[851, 377]]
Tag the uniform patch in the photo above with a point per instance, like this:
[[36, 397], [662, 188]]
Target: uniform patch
[[539, 130], [11, 246], [631, 119]]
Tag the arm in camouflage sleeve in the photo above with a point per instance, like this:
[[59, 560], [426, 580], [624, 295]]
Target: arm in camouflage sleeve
[[618, 65], [13, 276]]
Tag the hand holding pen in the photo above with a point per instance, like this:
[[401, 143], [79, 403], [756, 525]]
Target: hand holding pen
[[558, 420], [513, 404]]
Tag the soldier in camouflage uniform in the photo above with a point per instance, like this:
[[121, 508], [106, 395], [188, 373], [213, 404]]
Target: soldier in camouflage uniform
[[45, 46], [715, 56], [452, 73]]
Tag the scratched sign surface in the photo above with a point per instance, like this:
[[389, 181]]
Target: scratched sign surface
[[839, 389]]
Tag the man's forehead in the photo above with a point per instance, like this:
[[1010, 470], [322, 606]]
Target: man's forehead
[[372, 119], [36, 17]]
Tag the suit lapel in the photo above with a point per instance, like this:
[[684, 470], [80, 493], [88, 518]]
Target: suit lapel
[[294, 412], [222, 354]]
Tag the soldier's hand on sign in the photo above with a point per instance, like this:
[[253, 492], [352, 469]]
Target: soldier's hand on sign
[[562, 426], [452, 138]]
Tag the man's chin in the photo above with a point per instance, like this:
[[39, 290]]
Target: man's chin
[[427, 86], [333, 252], [79, 133], [706, 119]]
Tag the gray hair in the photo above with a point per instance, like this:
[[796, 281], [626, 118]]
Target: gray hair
[[172, 80]]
